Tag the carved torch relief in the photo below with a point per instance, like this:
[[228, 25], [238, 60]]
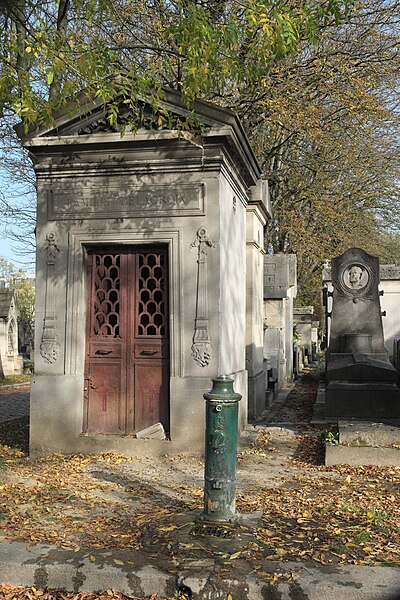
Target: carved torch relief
[[49, 346], [201, 346]]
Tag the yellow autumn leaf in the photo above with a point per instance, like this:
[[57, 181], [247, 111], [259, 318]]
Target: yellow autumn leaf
[[351, 545], [235, 555], [274, 579], [118, 562]]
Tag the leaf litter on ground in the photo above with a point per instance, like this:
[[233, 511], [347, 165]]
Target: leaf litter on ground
[[13, 592], [324, 514]]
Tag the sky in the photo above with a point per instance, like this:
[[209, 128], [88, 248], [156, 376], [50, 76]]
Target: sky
[[8, 246], [5, 249]]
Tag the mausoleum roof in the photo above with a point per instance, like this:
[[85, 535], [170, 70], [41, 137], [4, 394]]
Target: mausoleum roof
[[6, 297], [83, 120]]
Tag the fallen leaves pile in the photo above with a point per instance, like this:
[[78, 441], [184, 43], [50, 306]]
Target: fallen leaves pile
[[332, 515], [11, 592], [299, 404], [329, 515], [56, 500]]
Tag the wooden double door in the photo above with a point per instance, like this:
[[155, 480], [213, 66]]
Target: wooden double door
[[127, 340]]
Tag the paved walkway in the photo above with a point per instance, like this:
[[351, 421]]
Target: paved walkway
[[14, 403]]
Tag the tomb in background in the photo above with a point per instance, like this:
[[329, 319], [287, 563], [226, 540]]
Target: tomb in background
[[361, 382], [280, 289]]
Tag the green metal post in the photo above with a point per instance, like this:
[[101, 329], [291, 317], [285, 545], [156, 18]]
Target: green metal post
[[222, 405]]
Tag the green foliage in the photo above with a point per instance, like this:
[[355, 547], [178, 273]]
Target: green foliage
[[26, 299], [332, 438], [315, 84], [326, 132], [18, 280], [50, 49]]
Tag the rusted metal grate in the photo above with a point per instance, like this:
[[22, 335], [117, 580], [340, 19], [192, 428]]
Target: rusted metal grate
[[218, 530]]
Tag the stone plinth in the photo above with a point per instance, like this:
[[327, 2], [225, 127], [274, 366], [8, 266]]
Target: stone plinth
[[365, 443]]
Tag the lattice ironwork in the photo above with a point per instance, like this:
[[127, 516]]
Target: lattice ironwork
[[107, 295], [151, 294]]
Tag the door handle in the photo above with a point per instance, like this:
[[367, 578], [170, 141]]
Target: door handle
[[103, 352], [148, 352]]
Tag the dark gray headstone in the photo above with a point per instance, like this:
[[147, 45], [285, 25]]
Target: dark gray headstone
[[361, 380]]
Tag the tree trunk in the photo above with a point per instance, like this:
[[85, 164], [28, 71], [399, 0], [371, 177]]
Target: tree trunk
[[62, 22]]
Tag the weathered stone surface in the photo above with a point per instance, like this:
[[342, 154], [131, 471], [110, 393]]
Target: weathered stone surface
[[361, 455], [356, 308], [389, 287], [257, 213], [280, 274], [11, 361], [156, 431], [364, 433], [360, 367]]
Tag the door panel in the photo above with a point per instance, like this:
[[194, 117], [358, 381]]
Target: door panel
[[150, 384], [106, 411], [127, 350]]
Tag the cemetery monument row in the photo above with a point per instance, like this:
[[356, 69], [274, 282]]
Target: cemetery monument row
[[361, 382], [143, 245]]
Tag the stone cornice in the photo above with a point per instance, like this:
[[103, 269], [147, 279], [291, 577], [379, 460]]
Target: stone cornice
[[222, 127]]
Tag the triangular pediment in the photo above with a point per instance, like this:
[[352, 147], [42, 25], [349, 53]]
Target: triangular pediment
[[90, 121], [83, 117]]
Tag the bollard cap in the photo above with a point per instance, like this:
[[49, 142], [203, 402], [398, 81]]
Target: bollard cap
[[222, 390]]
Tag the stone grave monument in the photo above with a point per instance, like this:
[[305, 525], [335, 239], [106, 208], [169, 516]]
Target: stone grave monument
[[389, 286], [361, 382], [304, 324], [11, 362], [142, 246]]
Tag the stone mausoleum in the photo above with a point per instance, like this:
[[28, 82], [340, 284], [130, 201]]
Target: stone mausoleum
[[280, 290], [11, 361], [149, 277]]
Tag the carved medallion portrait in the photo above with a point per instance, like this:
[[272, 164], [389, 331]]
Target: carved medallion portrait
[[355, 277]]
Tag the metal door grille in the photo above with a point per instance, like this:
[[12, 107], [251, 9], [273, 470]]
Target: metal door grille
[[151, 290], [107, 295]]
